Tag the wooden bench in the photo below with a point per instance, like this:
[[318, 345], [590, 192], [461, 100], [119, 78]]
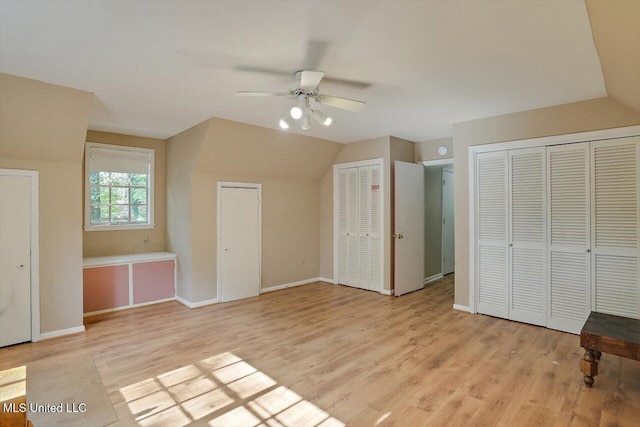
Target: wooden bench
[[605, 333]]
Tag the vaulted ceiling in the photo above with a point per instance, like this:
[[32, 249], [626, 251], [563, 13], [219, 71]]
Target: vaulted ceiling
[[157, 68]]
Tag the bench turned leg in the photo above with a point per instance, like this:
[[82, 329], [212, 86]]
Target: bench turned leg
[[597, 354], [589, 366]]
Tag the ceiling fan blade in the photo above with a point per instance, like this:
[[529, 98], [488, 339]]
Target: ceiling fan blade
[[309, 80], [247, 93], [316, 50], [262, 70], [344, 82], [343, 103]]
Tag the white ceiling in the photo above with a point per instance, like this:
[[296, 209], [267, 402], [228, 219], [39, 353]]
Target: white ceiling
[[157, 68]]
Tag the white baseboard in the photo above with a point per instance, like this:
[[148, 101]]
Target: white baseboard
[[324, 279], [61, 332], [461, 308], [196, 304], [126, 307], [432, 278], [291, 285], [386, 292]]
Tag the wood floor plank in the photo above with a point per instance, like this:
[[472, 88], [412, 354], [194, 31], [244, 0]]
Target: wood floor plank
[[321, 354]]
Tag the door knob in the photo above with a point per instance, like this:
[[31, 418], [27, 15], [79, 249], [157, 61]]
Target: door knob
[[20, 267], [398, 236]]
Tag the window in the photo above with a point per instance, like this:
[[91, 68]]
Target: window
[[118, 187]]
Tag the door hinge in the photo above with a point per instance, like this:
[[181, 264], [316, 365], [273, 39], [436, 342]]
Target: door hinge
[[444, 220], [443, 259]]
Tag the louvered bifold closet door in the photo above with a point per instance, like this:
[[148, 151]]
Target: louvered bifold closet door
[[375, 229], [492, 231], [527, 199], [364, 188], [614, 230], [568, 236], [353, 228], [342, 226]]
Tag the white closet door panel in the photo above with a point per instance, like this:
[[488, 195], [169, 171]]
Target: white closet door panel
[[492, 226], [376, 265], [353, 258], [528, 286], [353, 223], [568, 291], [492, 196], [342, 258], [342, 225], [528, 213], [527, 200], [569, 195], [342, 197], [364, 188], [568, 236], [375, 229], [492, 281], [614, 192], [616, 285]]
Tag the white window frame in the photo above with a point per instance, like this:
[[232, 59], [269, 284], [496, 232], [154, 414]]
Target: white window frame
[[87, 190]]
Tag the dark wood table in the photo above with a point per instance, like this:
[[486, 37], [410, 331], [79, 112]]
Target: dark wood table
[[605, 333]]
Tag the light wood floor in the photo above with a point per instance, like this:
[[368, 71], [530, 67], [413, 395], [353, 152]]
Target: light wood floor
[[330, 355]]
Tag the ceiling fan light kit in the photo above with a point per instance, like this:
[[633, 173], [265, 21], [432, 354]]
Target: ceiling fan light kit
[[308, 82], [284, 124]]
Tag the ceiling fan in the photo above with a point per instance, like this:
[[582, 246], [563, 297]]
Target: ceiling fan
[[304, 91]]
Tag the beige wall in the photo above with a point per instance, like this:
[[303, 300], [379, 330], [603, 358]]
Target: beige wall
[[43, 127], [600, 113], [288, 166], [432, 221], [103, 243], [615, 25], [428, 150], [182, 151]]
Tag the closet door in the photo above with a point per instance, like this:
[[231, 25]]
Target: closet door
[[614, 194], [375, 229], [527, 231], [364, 238], [343, 217], [353, 228], [492, 228], [568, 236]]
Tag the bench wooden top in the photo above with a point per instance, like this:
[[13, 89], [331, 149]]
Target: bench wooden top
[[612, 334]]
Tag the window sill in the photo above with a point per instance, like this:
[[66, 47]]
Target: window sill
[[121, 227]]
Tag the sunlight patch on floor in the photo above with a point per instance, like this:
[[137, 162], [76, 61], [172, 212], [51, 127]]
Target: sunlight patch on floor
[[222, 390]]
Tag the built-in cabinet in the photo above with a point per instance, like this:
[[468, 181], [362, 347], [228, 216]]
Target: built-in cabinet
[[122, 281], [358, 196], [556, 232]]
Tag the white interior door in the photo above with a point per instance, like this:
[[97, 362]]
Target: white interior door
[[239, 242], [15, 252], [448, 234], [568, 237], [409, 227]]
